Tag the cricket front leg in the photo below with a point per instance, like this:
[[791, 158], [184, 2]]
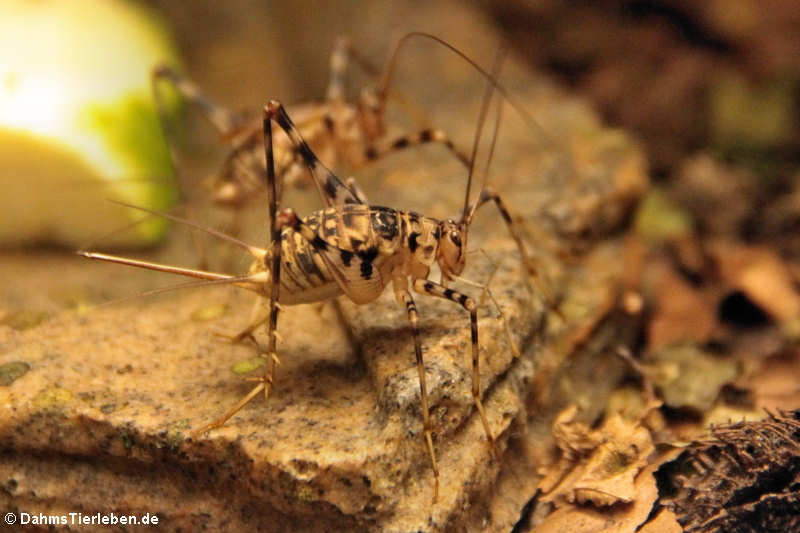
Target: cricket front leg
[[431, 288], [404, 297]]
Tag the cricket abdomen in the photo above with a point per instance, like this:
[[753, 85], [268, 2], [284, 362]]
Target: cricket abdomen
[[305, 276]]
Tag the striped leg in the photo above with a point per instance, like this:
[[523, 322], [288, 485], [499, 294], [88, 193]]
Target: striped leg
[[371, 110], [276, 225], [330, 187], [423, 286], [379, 150], [488, 194], [413, 317]]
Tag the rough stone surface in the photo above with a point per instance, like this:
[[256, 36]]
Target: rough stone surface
[[99, 420]]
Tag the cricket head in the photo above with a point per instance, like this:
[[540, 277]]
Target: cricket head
[[452, 247]]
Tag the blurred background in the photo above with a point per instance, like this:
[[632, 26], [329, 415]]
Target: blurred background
[[712, 89]]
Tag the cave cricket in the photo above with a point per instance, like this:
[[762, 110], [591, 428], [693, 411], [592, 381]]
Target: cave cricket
[[337, 129], [355, 249]]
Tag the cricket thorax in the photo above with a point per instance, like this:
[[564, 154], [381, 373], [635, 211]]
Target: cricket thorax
[[421, 236]]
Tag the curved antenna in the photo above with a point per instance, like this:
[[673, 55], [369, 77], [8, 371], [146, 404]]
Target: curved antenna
[[238, 281], [487, 100], [489, 158], [255, 251], [388, 73]]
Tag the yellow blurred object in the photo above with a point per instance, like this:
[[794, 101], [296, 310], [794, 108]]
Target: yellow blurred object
[[78, 125]]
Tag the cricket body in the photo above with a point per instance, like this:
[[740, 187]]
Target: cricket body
[[354, 249], [338, 130]]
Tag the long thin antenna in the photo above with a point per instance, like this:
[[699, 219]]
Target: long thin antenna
[[489, 159], [240, 281], [487, 100], [388, 73], [252, 250]]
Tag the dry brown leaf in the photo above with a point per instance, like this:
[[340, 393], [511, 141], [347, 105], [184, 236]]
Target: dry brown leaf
[[597, 466], [675, 300], [625, 518], [664, 522]]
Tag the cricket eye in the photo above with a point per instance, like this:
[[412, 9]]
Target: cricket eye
[[455, 238]]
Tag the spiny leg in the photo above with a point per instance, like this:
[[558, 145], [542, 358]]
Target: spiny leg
[[413, 317], [488, 194], [276, 225], [431, 288], [257, 319]]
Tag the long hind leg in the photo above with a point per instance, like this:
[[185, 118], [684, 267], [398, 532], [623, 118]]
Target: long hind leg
[[276, 225]]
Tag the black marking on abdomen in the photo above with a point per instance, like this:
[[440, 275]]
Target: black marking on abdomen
[[308, 265], [412, 241], [346, 257], [319, 244], [367, 258]]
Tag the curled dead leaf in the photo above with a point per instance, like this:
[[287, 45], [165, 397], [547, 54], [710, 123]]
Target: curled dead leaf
[[597, 466]]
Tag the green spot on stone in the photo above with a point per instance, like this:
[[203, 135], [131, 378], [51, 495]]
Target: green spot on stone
[[209, 312], [51, 397], [245, 367], [10, 372]]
